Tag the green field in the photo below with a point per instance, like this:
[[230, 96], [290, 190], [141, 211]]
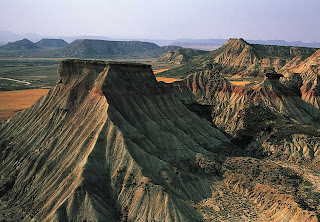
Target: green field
[[23, 73]]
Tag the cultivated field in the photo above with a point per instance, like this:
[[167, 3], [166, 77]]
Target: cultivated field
[[13, 101], [167, 80]]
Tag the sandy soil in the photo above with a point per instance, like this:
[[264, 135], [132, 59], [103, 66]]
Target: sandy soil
[[14, 101], [167, 80], [156, 71], [240, 83]]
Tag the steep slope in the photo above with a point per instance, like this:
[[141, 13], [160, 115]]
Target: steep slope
[[180, 56], [308, 71], [107, 142], [266, 115], [51, 43], [268, 121], [88, 48], [309, 66], [239, 57], [23, 44], [310, 90]]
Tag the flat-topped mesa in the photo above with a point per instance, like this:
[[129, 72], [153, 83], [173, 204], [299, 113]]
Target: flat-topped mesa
[[76, 69], [109, 78], [71, 70], [273, 76]]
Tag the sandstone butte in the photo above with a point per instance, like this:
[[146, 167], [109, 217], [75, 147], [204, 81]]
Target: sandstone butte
[[111, 143]]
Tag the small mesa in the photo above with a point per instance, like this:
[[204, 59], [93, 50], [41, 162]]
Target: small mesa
[[167, 80]]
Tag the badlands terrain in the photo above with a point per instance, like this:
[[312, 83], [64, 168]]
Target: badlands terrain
[[111, 143]]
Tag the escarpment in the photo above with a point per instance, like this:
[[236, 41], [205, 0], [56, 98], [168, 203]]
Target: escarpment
[[308, 71], [267, 118], [107, 143], [110, 143]]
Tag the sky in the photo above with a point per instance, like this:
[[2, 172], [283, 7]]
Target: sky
[[289, 20]]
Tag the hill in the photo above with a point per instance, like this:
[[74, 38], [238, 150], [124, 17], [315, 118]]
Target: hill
[[241, 58], [180, 56], [51, 43], [20, 45], [87, 48], [110, 143], [84, 48]]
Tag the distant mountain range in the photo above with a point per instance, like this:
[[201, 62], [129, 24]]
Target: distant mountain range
[[204, 44], [88, 48], [6, 37], [84, 48], [210, 44], [24, 44]]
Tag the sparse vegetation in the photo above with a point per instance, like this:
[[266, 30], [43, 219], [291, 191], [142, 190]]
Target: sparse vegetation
[[39, 72]]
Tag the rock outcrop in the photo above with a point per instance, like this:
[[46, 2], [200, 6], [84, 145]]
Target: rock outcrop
[[310, 91], [309, 71]]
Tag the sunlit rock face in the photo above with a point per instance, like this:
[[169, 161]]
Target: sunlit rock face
[[266, 118]]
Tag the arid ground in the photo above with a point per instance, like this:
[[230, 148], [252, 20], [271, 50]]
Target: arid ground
[[13, 101]]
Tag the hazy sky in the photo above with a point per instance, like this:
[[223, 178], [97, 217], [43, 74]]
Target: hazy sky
[[165, 19]]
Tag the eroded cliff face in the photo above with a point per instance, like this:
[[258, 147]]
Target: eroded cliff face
[[270, 121], [107, 143], [309, 71], [110, 143], [268, 117]]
